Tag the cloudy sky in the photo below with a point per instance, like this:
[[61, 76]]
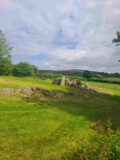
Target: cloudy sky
[[63, 34]]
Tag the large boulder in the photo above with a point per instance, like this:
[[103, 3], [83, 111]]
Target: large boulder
[[57, 81], [84, 86], [67, 81], [75, 83]]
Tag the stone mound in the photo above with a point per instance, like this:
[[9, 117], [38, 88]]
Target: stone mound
[[64, 81], [28, 92]]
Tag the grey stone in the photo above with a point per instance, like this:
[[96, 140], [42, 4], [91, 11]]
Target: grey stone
[[26, 90], [57, 81], [64, 81], [84, 86], [67, 81], [8, 90], [75, 83]]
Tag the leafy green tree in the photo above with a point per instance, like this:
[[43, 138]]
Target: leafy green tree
[[87, 75], [117, 40], [24, 69], [5, 57]]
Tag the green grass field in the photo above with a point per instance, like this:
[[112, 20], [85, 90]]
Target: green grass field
[[115, 79], [49, 129], [107, 88], [15, 82]]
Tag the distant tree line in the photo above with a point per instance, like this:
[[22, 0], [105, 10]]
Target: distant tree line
[[87, 74]]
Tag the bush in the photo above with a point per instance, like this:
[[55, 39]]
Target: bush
[[25, 69], [105, 146]]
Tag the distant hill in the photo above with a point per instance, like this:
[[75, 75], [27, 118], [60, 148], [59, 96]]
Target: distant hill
[[77, 72]]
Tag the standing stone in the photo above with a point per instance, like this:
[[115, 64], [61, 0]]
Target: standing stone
[[62, 83]]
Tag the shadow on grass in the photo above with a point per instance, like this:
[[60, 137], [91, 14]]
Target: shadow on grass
[[93, 106]]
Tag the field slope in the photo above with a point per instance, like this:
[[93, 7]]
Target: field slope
[[49, 129]]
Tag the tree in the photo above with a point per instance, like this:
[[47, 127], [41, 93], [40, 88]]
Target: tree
[[87, 75], [5, 57], [25, 69], [117, 40], [35, 69]]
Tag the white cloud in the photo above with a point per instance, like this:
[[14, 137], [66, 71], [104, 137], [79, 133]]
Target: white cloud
[[50, 27], [91, 3], [67, 6], [5, 4]]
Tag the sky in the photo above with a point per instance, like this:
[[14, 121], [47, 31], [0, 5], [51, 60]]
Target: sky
[[63, 34]]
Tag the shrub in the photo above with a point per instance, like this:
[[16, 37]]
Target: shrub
[[25, 69], [105, 146]]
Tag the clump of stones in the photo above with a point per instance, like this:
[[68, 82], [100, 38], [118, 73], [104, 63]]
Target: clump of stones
[[64, 81]]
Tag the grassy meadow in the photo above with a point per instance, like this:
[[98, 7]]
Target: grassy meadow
[[107, 88], [43, 128], [17, 83]]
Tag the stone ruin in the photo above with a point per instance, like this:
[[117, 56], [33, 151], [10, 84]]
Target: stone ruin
[[33, 91], [64, 81]]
